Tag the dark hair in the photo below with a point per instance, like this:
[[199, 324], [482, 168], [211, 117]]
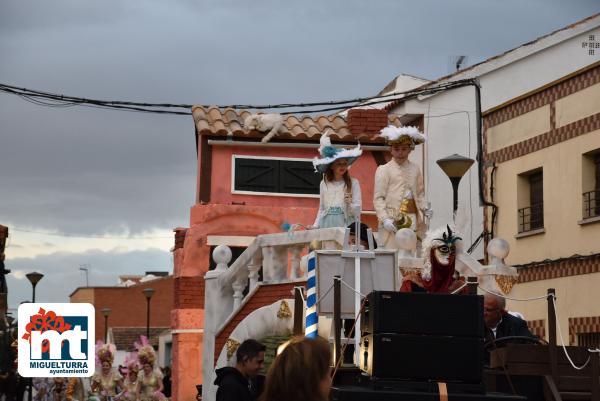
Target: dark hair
[[364, 235], [249, 349], [329, 177], [296, 374]]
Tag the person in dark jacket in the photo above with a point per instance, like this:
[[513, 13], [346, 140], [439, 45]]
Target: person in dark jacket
[[499, 323], [238, 383]]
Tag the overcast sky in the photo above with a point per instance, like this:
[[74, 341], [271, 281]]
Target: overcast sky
[[130, 177]]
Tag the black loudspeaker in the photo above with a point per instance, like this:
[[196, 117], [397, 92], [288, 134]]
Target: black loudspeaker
[[356, 393], [422, 313], [416, 357]]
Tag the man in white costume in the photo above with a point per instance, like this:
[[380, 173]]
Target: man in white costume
[[399, 195]]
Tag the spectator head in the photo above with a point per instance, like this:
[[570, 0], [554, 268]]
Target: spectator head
[[364, 235], [300, 372], [250, 357], [493, 309]]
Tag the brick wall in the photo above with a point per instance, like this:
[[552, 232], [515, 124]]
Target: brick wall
[[128, 305], [579, 325], [189, 292], [545, 96], [366, 121], [559, 268], [537, 327], [179, 237]]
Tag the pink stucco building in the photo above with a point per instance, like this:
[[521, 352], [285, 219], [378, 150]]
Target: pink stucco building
[[246, 188]]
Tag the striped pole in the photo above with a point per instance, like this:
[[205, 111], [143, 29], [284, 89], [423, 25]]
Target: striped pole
[[311, 299]]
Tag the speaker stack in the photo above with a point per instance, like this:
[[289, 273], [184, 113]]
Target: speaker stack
[[423, 337]]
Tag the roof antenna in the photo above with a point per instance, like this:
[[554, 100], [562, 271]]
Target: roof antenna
[[456, 63]]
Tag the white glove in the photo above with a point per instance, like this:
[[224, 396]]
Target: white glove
[[389, 225]]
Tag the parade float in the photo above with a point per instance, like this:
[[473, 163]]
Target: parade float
[[281, 284]]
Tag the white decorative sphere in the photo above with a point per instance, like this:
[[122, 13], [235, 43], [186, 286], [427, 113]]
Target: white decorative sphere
[[222, 254], [406, 239], [498, 248]]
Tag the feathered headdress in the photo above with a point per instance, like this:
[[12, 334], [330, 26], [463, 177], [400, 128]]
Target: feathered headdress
[[105, 353], [402, 135], [131, 362], [329, 154], [145, 351], [435, 238]]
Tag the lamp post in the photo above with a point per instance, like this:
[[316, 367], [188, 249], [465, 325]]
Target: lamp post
[[455, 167], [34, 278], [106, 313], [148, 292], [86, 268]]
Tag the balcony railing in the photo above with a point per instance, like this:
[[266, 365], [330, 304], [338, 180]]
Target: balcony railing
[[591, 204], [531, 218]]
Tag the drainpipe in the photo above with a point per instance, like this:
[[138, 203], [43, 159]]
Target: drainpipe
[[480, 171]]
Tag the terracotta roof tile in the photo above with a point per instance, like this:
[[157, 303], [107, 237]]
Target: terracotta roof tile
[[221, 122]]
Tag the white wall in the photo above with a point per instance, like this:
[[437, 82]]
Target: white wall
[[538, 69], [452, 133], [450, 127]]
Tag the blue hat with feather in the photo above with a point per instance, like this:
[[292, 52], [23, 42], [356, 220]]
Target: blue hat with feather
[[329, 154]]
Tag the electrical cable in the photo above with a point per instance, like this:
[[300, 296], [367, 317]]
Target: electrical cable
[[43, 98]]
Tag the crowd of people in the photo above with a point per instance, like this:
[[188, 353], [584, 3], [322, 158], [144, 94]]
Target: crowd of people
[[301, 372], [139, 379]]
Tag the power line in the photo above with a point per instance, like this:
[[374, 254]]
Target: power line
[[49, 99]]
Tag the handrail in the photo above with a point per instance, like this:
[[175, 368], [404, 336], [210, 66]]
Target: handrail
[[238, 269], [530, 217]]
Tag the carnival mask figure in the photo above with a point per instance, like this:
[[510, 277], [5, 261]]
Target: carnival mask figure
[[440, 253]]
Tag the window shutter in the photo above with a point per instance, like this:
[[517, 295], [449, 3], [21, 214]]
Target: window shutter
[[297, 177], [536, 199], [597, 168], [257, 175]]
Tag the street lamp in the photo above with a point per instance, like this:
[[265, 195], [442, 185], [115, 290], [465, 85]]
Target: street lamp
[[148, 292], [106, 313], [455, 167], [34, 278]]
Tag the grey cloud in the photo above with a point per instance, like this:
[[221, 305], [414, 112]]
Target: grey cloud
[[62, 275], [84, 170]]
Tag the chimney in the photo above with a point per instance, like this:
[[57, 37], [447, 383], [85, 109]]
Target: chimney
[[180, 234], [366, 121]]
